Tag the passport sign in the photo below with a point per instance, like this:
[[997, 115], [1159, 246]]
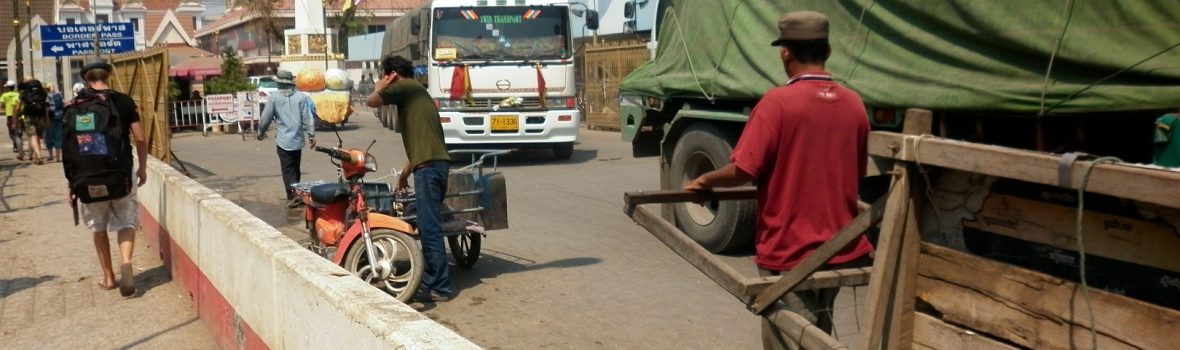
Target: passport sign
[[78, 39]]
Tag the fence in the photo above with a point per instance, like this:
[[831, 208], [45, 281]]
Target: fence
[[144, 76], [194, 114], [606, 64]]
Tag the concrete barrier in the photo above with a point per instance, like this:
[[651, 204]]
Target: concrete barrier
[[256, 288]]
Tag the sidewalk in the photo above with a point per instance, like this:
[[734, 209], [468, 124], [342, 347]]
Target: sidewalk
[[49, 296]]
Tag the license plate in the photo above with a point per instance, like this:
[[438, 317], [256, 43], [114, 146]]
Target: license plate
[[505, 123]]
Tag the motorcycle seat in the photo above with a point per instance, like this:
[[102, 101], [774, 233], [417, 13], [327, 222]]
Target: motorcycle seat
[[329, 193]]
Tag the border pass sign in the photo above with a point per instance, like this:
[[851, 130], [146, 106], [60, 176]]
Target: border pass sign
[[78, 39]]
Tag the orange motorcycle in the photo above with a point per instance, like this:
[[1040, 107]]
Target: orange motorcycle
[[378, 248]]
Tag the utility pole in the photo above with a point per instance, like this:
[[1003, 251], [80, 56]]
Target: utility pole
[[29, 15], [20, 66]]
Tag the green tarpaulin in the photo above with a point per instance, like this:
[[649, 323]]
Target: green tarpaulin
[[964, 55]]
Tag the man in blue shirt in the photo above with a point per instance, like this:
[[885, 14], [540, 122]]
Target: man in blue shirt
[[290, 109]]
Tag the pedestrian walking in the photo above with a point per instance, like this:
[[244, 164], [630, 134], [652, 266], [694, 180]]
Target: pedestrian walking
[[53, 133], [805, 147], [422, 137], [99, 128], [290, 109], [34, 113], [10, 99]]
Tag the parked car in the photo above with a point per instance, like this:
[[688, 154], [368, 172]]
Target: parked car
[[266, 86]]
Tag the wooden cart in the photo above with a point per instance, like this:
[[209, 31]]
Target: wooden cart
[[926, 295]]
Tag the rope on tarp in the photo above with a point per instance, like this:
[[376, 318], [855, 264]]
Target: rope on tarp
[[1082, 246], [1068, 15], [1108, 77], [684, 44]]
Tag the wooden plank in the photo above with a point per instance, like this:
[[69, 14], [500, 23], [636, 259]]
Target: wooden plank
[[848, 234], [717, 270], [932, 333], [901, 320], [1035, 310], [917, 121], [797, 328], [819, 280], [885, 262], [632, 199], [1136, 241], [1142, 184]]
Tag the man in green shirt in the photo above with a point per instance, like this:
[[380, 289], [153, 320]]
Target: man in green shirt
[[11, 99], [422, 137]]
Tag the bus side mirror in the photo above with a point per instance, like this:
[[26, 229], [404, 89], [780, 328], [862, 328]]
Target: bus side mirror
[[415, 25], [592, 20], [629, 10]]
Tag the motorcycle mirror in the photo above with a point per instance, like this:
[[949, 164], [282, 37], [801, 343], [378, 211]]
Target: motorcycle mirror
[[370, 146], [339, 141]]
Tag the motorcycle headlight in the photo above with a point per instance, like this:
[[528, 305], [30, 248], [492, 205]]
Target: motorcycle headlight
[[370, 163]]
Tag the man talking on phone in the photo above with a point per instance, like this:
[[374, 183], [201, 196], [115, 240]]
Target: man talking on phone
[[422, 137]]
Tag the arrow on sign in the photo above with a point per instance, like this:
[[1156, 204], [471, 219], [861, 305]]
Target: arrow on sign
[[56, 48]]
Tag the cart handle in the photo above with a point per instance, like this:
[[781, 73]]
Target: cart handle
[[484, 154]]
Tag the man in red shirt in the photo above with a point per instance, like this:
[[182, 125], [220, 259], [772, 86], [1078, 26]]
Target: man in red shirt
[[805, 147]]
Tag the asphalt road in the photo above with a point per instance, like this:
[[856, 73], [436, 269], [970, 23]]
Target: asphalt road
[[572, 271]]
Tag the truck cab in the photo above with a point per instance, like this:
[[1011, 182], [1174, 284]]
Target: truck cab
[[500, 72]]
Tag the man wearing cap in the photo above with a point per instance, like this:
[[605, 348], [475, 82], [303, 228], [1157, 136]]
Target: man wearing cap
[[804, 147], [120, 215], [11, 99], [292, 111]]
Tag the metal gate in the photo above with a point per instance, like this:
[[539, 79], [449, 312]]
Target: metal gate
[[606, 64], [144, 76]]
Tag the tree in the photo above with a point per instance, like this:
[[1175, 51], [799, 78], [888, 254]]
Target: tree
[[232, 79]]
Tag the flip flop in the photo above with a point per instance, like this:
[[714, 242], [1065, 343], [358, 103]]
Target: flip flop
[[126, 280], [106, 286]]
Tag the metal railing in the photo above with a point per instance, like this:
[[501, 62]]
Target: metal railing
[[194, 114]]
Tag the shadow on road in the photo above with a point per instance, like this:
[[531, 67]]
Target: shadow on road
[[492, 263], [152, 278], [136, 343], [12, 286]]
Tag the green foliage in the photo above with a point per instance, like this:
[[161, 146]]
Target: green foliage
[[233, 77], [173, 91]]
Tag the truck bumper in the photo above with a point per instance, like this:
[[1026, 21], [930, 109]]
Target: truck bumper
[[539, 127]]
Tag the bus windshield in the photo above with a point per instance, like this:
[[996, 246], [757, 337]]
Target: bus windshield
[[503, 33]]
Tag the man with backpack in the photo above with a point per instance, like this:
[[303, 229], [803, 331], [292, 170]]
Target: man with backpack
[[34, 114], [98, 127]]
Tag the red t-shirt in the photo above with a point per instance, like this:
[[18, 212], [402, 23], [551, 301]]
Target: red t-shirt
[[805, 146]]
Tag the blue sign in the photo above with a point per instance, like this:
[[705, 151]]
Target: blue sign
[[78, 39]]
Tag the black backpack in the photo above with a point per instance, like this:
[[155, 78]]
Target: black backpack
[[34, 100], [93, 149]]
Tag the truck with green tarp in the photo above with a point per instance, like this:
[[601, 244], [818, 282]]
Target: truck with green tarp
[[1052, 76]]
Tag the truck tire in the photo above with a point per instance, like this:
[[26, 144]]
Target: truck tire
[[717, 226], [563, 151]]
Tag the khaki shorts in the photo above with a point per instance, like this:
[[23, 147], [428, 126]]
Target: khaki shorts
[[112, 215], [35, 127]]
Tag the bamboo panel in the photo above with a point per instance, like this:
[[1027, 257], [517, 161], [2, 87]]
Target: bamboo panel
[[606, 65], [143, 75]]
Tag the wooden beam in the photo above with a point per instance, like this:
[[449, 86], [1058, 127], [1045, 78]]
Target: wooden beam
[[632, 199], [901, 316], [818, 280], [717, 270], [885, 263], [917, 121], [1035, 310], [800, 330], [1141, 242], [1142, 184], [932, 333], [819, 257]]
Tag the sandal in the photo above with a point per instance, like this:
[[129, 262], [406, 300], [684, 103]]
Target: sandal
[[126, 280]]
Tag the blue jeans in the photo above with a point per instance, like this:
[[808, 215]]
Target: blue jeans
[[430, 185], [53, 135]]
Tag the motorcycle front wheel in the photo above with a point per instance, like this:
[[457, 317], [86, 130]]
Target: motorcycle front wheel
[[396, 250]]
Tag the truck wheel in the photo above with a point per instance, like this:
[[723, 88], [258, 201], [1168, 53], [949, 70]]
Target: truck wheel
[[563, 151], [718, 226]]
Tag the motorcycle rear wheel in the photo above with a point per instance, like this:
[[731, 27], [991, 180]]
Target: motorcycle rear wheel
[[403, 254]]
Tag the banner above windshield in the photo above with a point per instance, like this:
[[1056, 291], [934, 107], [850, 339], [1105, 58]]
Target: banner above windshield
[[501, 33]]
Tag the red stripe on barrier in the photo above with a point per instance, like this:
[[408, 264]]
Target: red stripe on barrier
[[219, 317]]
